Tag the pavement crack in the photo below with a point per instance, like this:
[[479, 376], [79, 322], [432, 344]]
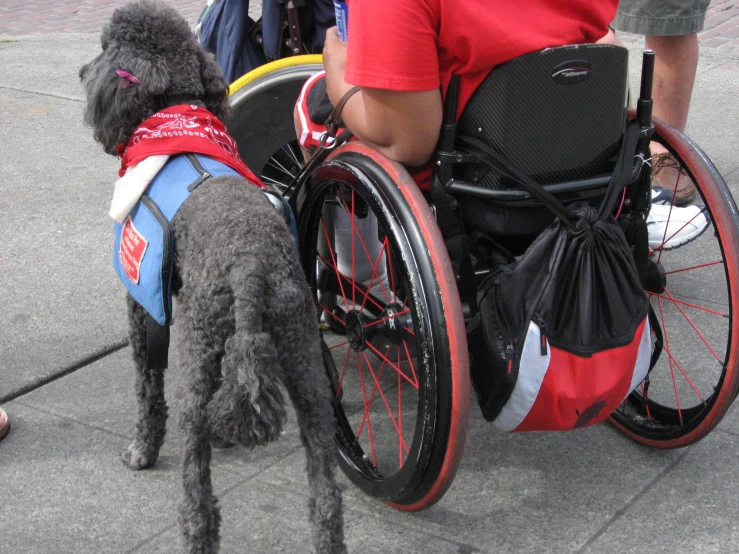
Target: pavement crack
[[634, 499], [74, 420], [84, 362], [40, 93]]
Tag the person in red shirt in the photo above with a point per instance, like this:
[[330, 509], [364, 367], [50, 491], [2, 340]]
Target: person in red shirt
[[403, 53]]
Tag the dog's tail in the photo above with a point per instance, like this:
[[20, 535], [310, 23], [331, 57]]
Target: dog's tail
[[249, 406]]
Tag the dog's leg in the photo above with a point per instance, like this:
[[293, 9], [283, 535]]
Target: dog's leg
[[152, 408], [309, 389], [199, 514]]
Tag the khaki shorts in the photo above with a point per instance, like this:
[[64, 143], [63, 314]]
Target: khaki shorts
[[661, 17]]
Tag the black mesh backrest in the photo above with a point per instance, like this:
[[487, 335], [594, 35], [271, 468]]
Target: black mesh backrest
[[557, 114]]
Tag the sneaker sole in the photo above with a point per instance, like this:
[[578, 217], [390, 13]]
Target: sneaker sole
[[682, 241]]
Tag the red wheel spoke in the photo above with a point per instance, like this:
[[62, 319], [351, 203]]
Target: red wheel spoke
[[392, 277], [410, 361], [354, 258], [391, 364], [690, 321], [341, 277], [343, 372], [338, 345], [335, 267], [672, 205], [664, 241], [387, 404], [355, 229], [375, 265], [405, 303], [372, 394], [366, 412], [644, 394], [672, 369], [331, 313], [690, 382], [386, 318], [400, 415], [676, 301], [719, 262]]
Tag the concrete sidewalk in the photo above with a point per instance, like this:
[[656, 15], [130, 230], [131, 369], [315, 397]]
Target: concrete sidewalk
[[67, 383]]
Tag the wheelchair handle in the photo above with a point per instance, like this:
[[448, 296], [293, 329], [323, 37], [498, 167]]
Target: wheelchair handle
[[644, 103]]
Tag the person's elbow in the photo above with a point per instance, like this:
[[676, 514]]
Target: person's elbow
[[414, 151], [405, 125]]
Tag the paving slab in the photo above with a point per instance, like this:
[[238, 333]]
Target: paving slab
[[699, 495], [64, 489], [60, 296], [517, 492]]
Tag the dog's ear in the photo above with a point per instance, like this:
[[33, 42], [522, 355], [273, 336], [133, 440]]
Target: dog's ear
[[154, 80], [215, 86]]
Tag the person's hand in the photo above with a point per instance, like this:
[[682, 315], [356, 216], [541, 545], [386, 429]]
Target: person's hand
[[334, 62]]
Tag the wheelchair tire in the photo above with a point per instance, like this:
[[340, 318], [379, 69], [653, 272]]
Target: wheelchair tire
[[262, 105], [396, 352], [694, 295]]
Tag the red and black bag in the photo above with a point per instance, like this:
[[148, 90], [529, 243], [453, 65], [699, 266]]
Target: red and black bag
[[562, 335]]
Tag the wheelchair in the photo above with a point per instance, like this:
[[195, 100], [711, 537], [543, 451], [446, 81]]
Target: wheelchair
[[394, 338]]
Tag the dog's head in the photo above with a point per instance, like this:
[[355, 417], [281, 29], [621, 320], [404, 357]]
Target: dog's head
[[150, 61]]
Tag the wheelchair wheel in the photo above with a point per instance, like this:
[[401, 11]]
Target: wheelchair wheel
[[694, 296], [262, 104], [392, 327]]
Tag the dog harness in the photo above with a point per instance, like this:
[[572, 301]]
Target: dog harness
[[144, 244]]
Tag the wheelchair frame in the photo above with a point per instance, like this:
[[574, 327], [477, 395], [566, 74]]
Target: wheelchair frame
[[358, 181]]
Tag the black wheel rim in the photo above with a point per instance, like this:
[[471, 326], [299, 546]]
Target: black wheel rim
[[692, 320], [382, 401]]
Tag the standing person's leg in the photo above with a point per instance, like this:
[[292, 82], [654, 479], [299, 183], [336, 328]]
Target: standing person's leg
[[675, 64], [671, 28]]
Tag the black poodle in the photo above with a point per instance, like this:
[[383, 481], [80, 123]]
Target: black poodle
[[249, 324]]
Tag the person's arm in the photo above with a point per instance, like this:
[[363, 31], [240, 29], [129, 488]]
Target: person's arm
[[404, 126]]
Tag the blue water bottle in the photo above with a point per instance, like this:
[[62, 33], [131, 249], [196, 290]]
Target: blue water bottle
[[342, 18]]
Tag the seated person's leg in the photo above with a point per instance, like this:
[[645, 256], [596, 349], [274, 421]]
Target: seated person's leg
[[311, 111]]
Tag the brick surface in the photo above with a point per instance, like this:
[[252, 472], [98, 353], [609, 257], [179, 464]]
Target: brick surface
[[33, 17], [30, 17]]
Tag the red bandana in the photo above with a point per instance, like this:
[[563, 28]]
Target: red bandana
[[184, 128]]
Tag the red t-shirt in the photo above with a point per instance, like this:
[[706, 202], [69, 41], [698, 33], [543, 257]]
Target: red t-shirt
[[416, 45]]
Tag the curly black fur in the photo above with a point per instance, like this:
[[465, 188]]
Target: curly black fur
[[245, 312]]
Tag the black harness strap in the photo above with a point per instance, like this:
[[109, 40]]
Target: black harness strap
[[157, 344]]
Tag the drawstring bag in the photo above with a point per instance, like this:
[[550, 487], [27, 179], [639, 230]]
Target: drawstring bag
[[562, 335]]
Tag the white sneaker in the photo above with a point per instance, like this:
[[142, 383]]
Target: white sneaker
[[675, 226]]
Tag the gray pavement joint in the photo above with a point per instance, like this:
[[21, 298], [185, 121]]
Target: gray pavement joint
[[41, 93], [633, 500], [91, 359], [77, 421]]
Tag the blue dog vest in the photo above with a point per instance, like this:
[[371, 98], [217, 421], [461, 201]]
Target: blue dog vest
[[142, 255]]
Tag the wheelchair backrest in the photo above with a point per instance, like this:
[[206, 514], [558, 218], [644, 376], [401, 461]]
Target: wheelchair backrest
[[557, 114]]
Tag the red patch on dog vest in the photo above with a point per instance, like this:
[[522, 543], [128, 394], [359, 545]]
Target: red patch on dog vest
[[132, 249]]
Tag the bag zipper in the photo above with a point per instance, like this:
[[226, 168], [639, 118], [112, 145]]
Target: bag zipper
[[197, 166], [503, 326], [166, 247], [543, 329]]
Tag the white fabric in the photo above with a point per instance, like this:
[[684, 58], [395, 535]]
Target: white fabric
[[643, 358], [525, 390], [129, 188], [367, 250]]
